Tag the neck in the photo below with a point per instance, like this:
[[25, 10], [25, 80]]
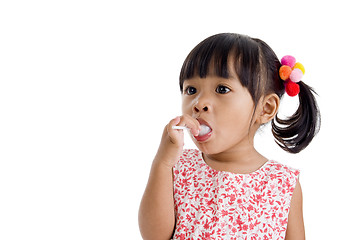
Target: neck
[[239, 155], [242, 159]]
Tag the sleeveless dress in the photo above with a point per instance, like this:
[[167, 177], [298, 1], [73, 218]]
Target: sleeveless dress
[[213, 205]]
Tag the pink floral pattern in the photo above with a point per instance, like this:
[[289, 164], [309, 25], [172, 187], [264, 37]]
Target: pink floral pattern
[[212, 205]]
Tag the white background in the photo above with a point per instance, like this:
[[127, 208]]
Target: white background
[[86, 88]]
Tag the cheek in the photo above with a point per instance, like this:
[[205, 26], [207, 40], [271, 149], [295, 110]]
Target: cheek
[[186, 107], [237, 119]]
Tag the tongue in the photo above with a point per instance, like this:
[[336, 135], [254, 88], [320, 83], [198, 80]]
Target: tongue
[[204, 130]]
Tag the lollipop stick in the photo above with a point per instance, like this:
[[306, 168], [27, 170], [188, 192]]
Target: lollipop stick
[[179, 127]]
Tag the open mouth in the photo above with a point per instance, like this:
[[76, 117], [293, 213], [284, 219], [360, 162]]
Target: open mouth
[[205, 132]]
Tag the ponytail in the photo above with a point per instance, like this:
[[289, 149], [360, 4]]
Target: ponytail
[[296, 132]]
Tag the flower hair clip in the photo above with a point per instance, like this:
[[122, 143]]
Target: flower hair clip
[[291, 72]]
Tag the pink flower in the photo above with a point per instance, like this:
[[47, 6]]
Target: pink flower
[[207, 235], [206, 225], [251, 226], [283, 222], [232, 197], [224, 213], [244, 227], [239, 221], [210, 202]]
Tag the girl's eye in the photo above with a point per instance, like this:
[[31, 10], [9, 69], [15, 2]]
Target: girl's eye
[[222, 89], [190, 90]]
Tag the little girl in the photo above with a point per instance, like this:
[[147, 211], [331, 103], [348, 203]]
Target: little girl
[[231, 85]]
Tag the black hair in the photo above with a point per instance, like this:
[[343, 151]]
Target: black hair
[[257, 67]]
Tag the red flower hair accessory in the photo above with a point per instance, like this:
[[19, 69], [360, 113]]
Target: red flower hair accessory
[[291, 72]]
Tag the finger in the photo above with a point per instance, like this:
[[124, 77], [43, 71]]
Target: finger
[[173, 123], [174, 135], [191, 123]]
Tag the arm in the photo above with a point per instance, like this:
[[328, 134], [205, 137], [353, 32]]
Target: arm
[[156, 212], [295, 226]]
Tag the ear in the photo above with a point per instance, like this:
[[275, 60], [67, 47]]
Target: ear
[[269, 108]]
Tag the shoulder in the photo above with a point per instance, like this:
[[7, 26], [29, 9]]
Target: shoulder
[[284, 176], [286, 179], [282, 170]]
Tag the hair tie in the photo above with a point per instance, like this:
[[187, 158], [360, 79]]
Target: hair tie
[[291, 72]]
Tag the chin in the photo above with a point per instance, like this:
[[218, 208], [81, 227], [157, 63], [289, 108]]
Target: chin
[[207, 148]]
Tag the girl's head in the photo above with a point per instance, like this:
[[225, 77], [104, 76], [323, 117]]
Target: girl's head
[[219, 60]]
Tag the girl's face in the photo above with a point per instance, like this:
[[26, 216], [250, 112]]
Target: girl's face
[[226, 107]]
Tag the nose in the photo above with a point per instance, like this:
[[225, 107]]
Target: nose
[[201, 106]]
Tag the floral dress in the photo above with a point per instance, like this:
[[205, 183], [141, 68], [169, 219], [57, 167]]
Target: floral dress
[[211, 204]]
